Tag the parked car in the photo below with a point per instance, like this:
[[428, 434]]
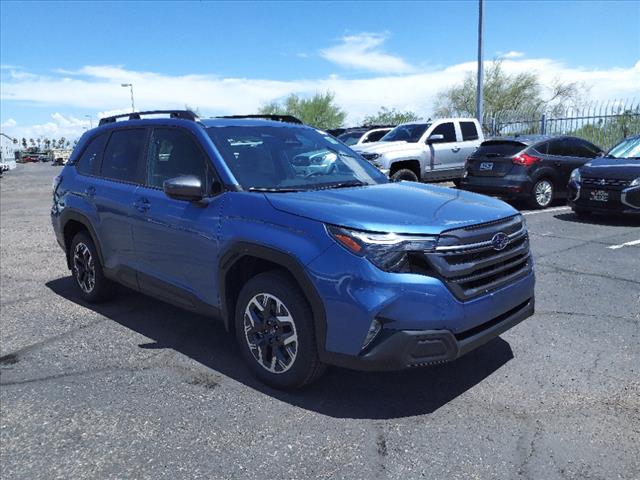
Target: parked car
[[307, 269], [59, 156], [610, 184], [434, 150], [534, 168], [362, 135]]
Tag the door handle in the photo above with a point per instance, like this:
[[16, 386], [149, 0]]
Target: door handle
[[142, 205], [90, 191], [455, 149]]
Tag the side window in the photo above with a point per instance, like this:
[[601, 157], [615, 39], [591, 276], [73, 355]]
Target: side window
[[173, 153], [469, 131], [585, 149], [89, 162], [542, 148], [123, 156], [446, 129], [375, 136], [557, 148]]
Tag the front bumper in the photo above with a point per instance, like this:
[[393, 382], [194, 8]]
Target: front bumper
[[401, 349], [625, 201]]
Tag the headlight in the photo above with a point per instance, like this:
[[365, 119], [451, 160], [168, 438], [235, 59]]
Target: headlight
[[575, 176], [387, 251], [635, 183]]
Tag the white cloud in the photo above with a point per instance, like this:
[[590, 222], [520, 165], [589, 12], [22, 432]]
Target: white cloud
[[512, 54], [362, 52], [9, 123], [96, 89]]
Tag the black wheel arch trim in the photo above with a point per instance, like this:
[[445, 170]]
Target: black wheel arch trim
[[243, 249], [69, 215]]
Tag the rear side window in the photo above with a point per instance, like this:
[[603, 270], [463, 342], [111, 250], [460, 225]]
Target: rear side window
[[174, 153], [446, 129], [89, 161], [469, 131], [558, 148], [123, 156], [498, 149]]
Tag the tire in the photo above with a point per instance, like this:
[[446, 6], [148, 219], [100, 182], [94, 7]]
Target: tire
[[87, 271], [542, 194], [404, 174], [296, 363]]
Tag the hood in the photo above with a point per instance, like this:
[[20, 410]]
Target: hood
[[616, 168], [404, 207], [387, 147]]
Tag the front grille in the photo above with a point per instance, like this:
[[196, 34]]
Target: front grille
[[468, 263], [605, 183]]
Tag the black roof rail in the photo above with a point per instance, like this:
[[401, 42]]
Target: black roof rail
[[277, 118], [184, 114]]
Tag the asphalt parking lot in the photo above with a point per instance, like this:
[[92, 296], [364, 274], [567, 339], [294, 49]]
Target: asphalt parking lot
[[139, 389]]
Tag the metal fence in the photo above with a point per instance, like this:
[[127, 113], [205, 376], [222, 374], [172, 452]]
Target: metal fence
[[602, 123]]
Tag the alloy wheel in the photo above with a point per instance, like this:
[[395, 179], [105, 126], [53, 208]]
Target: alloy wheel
[[270, 333], [84, 268], [543, 193]]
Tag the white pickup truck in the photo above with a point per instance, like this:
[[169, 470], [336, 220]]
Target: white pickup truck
[[433, 150]]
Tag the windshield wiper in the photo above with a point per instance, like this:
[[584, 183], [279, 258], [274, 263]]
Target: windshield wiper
[[352, 183], [272, 190]]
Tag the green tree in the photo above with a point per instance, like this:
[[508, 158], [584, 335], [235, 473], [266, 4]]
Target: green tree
[[319, 111], [386, 116], [507, 92]]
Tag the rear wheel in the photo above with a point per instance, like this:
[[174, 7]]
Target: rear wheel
[[275, 331], [542, 194], [404, 174], [87, 271]]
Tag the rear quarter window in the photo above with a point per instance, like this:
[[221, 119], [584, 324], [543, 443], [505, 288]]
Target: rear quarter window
[[499, 149], [89, 161]]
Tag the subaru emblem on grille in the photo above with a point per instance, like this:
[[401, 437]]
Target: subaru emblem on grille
[[500, 241]]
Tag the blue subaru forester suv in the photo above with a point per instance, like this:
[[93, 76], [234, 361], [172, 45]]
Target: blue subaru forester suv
[[303, 249]]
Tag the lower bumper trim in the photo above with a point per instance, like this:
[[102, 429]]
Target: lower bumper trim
[[401, 349]]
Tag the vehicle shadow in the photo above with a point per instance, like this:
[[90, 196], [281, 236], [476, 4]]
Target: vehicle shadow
[[340, 393], [600, 219]]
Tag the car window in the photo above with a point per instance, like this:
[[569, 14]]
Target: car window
[[375, 136], [284, 158], [89, 161], [557, 148], [542, 148], [448, 130], [586, 149], [629, 148], [408, 132], [469, 131], [173, 153], [350, 138], [498, 148], [123, 156]]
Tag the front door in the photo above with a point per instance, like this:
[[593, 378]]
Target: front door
[[444, 152], [176, 241]]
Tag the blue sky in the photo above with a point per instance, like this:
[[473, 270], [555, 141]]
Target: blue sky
[[62, 61]]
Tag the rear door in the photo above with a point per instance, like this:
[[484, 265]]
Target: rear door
[[112, 191], [175, 241], [493, 158]]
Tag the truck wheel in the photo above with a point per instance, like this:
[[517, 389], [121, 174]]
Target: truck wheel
[[404, 174], [275, 331], [542, 194], [87, 271]]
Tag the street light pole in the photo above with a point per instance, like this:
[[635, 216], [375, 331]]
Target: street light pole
[[130, 85], [90, 120], [480, 82]]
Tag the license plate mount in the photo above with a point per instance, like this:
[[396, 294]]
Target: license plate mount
[[599, 196], [486, 166]]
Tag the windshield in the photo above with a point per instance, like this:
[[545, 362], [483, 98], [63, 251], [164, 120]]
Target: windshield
[[410, 132], [350, 138], [286, 158], [626, 149]]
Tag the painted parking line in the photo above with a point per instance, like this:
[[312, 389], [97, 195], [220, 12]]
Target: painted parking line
[[547, 210], [626, 244]]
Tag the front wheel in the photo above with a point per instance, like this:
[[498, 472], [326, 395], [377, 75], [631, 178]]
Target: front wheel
[[542, 194], [275, 331], [87, 271], [404, 174]]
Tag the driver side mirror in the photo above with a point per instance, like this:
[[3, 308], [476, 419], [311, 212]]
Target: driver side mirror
[[185, 187], [438, 137]]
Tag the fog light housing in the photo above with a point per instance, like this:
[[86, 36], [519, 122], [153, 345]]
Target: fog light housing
[[374, 330]]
